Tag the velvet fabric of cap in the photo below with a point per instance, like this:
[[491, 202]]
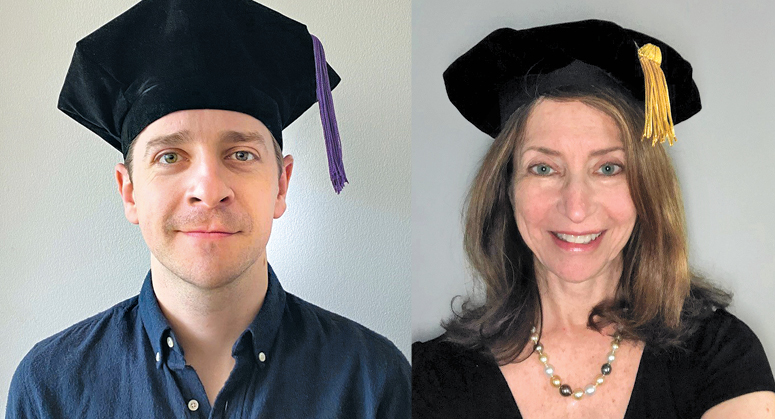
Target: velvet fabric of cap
[[162, 56], [510, 68]]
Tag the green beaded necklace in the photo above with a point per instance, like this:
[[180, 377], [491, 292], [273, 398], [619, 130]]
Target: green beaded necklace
[[556, 381]]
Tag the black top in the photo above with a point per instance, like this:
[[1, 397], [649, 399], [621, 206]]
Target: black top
[[723, 360]]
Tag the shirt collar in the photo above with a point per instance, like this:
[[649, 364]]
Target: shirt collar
[[261, 331], [265, 326], [155, 324]]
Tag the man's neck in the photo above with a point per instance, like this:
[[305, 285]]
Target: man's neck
[[207, 322]]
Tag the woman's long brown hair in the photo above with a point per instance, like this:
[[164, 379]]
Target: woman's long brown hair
[[658, 301]]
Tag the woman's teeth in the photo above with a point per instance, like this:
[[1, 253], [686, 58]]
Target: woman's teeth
[[577, 239]]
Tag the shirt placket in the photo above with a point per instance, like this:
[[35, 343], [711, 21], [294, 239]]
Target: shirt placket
[[231, 401], [191, 396]]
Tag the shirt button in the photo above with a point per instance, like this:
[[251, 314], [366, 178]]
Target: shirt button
[[170, 342], [158, 357], [261, 356], [193, 405]]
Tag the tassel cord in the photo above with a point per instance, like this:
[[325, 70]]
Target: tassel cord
[[328, 118], [659, 119]]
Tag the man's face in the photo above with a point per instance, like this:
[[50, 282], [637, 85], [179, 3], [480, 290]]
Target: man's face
[[205, 188]]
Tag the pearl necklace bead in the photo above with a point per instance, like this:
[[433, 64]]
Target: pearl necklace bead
[[556, 381]]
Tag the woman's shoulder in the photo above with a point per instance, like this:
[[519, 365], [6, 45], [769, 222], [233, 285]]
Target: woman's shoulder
[[440, 360], [722, 334], [452, 381], [442, 350], [722, 359]]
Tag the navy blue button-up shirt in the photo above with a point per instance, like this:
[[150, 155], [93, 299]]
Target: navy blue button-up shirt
[[295, 360]]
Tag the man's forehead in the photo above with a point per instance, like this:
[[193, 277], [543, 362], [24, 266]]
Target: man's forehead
[[203, 125]]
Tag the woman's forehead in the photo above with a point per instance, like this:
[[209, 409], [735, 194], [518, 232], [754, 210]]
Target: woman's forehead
[[569, 126]]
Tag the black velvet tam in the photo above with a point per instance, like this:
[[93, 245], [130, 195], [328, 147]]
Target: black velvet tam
[[162, 56], [510, 68]]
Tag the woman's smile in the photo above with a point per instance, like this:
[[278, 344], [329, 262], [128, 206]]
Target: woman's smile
[[578, 242]]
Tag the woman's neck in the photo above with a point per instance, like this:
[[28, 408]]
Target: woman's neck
[[566, 305]]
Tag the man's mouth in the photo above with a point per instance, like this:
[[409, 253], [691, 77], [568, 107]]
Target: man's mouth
[[208, 234], [580, 239]]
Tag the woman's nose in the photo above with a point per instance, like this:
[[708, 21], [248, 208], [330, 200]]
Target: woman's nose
[[577, 199]]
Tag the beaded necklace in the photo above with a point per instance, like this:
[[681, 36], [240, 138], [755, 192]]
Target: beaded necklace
[[556, 381]]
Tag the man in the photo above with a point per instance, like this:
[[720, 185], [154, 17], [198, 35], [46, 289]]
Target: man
[[195, 94]]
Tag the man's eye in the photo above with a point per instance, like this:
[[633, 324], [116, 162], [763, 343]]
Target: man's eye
[[243, 155], [610, 169], [541, 169], [169, 158]]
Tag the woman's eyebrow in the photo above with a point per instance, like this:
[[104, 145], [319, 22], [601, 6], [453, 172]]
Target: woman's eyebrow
[[544, 150], [551, 152], [605, 151]]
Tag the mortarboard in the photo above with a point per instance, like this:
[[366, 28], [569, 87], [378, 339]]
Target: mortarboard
[[510, 68], [162, 56]]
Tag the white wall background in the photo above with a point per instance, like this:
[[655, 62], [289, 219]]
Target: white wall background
[[725, 155], [66, 250]]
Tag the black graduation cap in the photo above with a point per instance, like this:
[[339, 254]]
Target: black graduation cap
[[163, 56], [510, 68]]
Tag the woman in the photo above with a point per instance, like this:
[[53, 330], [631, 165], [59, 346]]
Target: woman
[[575, 226]]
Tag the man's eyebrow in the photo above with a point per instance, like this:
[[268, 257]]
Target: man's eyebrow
[[244, 137], [169, 140], [181, 137]]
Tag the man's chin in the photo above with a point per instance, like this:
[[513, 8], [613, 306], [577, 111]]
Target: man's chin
[[209, 280], [209, 270], [212, 276]]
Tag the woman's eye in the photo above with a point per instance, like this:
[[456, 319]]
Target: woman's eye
[[610, 169], [541, 169], [243, 155], [169, 158]]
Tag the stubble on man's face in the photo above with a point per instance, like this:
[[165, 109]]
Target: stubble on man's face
[[206, 199]]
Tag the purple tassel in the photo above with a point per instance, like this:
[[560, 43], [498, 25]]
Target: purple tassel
[[328, 118]]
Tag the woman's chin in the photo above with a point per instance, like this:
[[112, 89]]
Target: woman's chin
[[575, 274]]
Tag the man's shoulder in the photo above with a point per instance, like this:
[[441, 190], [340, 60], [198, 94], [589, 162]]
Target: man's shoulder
[[93, 330], [367, 369], [80, 343], [338, 332], [51, 366]]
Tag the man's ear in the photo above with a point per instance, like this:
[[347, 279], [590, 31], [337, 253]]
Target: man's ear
[[282, 191], [126, 190]]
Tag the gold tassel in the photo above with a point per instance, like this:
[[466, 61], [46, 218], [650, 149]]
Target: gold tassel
[[659, 120]]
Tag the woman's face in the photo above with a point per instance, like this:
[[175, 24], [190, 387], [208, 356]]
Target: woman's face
[[571, 200]]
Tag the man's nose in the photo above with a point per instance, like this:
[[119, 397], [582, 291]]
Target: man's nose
[[208, 186]]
